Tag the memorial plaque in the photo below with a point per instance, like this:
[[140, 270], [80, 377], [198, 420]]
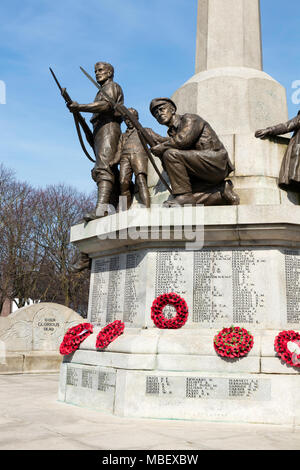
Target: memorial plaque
[[90, 386], [229, 286], [292, 275], [74, 376], [173, 274], [90, 377], [248, 285], [212, 286], [243, 388], [201, 387], [134, 289], [105, 303], [106, 380], [115, 290], [98, 293], [213, 388], [118, 286], [158, 385], [255, 286]]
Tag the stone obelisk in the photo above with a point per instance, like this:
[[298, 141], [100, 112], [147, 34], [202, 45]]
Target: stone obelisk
[[228, 34], [236, 97]]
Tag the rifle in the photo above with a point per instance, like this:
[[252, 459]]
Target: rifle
[[145, 137], [78, 119]]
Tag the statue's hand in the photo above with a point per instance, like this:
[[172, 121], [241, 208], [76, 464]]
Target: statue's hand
[[261, 133], [158, 150], [73, 107]]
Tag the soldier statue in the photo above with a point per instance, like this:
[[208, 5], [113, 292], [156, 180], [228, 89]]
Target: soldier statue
[[106, 131], [289, 176], [133, 160], [194, 158]]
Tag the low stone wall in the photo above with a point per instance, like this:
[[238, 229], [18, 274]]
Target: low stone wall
[[31, 362], [30, 338]]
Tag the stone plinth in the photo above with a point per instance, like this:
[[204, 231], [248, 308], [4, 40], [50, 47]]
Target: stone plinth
[[246, 273], [177, 374]]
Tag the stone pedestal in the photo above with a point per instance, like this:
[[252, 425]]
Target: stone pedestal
[[246, 273]]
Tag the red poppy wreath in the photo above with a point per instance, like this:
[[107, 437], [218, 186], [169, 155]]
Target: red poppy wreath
[[287, 345], [74, 337], [233, 342], [109, 333], [181, 311]]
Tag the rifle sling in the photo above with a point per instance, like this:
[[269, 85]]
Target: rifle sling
[[81, 139], [149, 154]]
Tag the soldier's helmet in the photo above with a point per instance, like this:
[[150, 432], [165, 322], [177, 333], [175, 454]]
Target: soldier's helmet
[[157, 101]]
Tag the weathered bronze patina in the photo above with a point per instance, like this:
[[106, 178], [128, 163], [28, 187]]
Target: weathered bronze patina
[[195, 159], [107, 131], [133, 160], [146, 137], [289, 176]]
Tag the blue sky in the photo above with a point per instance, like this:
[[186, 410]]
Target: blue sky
[[150, 42]]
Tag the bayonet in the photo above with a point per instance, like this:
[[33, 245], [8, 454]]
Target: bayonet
[[78, 120]]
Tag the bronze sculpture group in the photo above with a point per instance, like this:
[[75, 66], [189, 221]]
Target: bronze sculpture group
[[192, 155], [194, 158]]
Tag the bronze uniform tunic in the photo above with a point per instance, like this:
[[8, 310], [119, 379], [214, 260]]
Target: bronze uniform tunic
[[132, 156], [196, 153], [107, 131], [289, 177]]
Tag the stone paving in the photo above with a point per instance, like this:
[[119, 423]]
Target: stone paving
[[31, 418]]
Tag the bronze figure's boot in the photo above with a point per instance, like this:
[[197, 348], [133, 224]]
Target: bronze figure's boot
[[143, 190], [104, 192], [181, 200], [126, 195], [229, 195], [125, 202]]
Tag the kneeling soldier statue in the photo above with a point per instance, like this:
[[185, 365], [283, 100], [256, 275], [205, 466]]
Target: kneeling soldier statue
[[195, 159]]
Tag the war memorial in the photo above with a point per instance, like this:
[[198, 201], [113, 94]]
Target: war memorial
[[212, 216]]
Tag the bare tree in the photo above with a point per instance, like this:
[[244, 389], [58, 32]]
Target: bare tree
[[19, 255], [35, 251], [59, 207]]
